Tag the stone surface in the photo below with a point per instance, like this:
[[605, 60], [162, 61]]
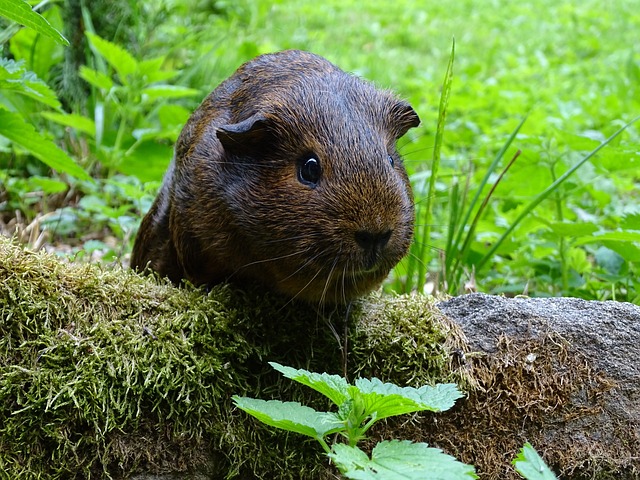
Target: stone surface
[[608, 333], [594, 432]]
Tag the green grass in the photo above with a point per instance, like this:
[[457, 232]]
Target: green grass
[[571, 68]]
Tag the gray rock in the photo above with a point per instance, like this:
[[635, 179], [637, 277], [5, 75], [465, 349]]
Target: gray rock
[[606, 332], [595, 432]]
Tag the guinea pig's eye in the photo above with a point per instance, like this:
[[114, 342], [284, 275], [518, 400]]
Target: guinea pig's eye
[[309, 171], [392, 162]]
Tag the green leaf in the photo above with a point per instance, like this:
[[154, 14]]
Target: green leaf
[[168, 91], [290, 416], [148, 161], [608, 259], [20, 12], [121, 60], [614, 236], [630, 221], [387, 399], [172, 115], [48, 52], [531, 466], [95, 78], [15, 129], [48, 185], [567, 229], [73, 120], [151, 70], [627, 250], [333, 387], [15, 77], [399, 460]]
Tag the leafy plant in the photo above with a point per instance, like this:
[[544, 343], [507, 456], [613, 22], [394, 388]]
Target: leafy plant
[[457, 255], [359, 406], [16, 81], [130, 127], [531, 466], [21, 12]]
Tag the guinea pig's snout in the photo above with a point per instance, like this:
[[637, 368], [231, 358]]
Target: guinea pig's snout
[[372, 244]]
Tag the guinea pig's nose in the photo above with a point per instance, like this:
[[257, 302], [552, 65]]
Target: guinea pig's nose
[[372, 242]]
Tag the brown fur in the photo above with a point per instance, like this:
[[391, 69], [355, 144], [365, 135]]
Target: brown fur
[[233, 207]]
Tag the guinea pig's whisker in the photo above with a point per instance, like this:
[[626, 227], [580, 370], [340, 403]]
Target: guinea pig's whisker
[[327, 282], [302, 289], [344, 276], [418, 259], [257, 262], [429, 246], [439, 226], [414, 152], [303, 266], [305, 236]]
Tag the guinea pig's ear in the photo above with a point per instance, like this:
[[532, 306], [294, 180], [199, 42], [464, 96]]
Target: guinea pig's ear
[[403, 117], [245, 136]]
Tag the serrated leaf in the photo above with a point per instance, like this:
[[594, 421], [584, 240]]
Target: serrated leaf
[[531, 466], [387, 399], [21, 12], [121, 60], [290, 416], [95, 78], [14, 128], [399, 460], [168, 91], [15, 77], [333, 387], [73, 120], [10, 69], [48, 52]]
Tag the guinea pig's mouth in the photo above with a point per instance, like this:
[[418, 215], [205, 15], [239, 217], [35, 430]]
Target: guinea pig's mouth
[[333, 285]]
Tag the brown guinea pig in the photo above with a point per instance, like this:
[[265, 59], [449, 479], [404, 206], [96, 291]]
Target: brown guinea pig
[[286, 175]]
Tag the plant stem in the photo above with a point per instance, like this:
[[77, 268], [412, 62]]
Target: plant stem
[[564, 268], [324, 444]]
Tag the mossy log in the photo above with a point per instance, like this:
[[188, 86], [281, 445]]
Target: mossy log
[[104, 373]]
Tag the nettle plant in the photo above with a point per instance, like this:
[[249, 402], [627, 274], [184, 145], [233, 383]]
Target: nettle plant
[[359, 406]]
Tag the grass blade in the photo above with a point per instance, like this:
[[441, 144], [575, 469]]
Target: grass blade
[[426, 212], [456, 253]]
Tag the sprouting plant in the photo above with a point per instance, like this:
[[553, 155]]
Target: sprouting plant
[[359, 406]]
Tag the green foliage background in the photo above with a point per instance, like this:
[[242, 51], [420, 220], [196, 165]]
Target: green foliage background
[[572, 68]]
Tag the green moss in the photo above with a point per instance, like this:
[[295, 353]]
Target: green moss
[[105, 372]]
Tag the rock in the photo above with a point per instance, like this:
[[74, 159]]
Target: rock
[[565, 375]]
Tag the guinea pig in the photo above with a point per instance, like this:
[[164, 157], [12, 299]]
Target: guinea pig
[[287, 175]]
